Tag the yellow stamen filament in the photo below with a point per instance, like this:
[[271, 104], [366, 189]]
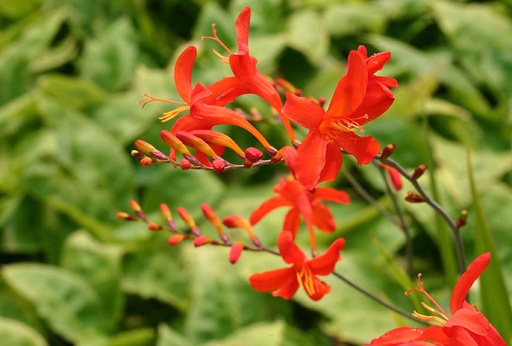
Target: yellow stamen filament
[[433, 320], [306, 280], [172, 114], [222, 58], [217, 39]]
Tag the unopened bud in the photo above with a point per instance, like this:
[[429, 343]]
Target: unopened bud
[[125, 216], [144, 147], [235, 252], [253, 155], [185, 164], [202, 240], [394, 177], [147, 161], [186, 217], [137, 154], [212, 217], [176, 239], [321, 101], [154, 227], [462, 220], [159, 155], [218, 165], [387, 151], [414, 197], [173, 142], [418, 172]]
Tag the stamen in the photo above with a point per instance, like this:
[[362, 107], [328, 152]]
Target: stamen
[[440, 311], [222, 58], [149, 99], [172, 114], [306, 280], [217, 39], [433, 320]]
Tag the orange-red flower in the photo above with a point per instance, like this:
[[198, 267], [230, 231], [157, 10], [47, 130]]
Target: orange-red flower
[[466, 327], [247, 79], [303, 273], [302, 203], [359, 97]]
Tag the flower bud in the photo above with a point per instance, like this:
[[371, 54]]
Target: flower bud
[[185, 164], [218, 165], [154, 227], [414, 197], [176, 239], [144, 146], [235, 252], [253, 155], [202, 240], [387, 151], [418, 172]]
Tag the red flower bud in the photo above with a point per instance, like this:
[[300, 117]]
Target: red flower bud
[[176, 239], [253, 154], [202, 240], [235, 252], [185, 164], [218, 165]]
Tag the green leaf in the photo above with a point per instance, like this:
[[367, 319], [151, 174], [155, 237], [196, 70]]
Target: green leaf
[[168, 337], [269, 334], [15, 59], [13, 332], [110, 59], [70, 91], [63, 299], [495, 299], [158, 274], [308, 35], [348, 19], [83, 256]]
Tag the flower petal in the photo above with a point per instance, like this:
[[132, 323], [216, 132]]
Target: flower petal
[[397, 336], [290, 252], [332, 195], [272, 280], [470, 319], [303, 111], [333, 161], [351, 89], [311, 159], [461, 289], [183, 73], [266, 207], [292, 222], [322, 218], [325, 263], [242, 27], [363, 149]]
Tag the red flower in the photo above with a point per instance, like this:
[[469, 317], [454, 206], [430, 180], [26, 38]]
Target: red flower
[[466, 327], [284, 282], [360, 97], [302, 203], [247, 79]]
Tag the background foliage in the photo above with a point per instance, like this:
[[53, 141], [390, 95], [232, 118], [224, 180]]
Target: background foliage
[[71, 72]]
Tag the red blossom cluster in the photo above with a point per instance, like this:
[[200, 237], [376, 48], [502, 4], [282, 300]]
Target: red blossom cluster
[[359, 97]]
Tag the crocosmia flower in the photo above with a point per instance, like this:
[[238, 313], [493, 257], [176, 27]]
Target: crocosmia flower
[[359, 97], [302, 203], [465, 327], [303, 272]]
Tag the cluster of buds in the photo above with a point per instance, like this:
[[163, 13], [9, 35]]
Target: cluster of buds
[[193, 232], [208, 145]]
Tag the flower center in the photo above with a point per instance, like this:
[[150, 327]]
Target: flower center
[[306, 278]]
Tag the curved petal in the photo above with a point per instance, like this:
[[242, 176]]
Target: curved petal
[[320, 289], [183, 73], [325, 263], [311, 159], [291, 222], [242, 27], [322, 218], [332, 195], [469, 319], [303, 111], [363, 149], [272, 280], [333, 162], [210, 116], [377, 61], [351, 89], [398, 336], [267, 206], [461, 289], [377, 100], [288, 290], [290, 252]]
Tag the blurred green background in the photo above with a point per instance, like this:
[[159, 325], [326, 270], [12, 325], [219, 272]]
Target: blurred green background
[[71, 72]]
